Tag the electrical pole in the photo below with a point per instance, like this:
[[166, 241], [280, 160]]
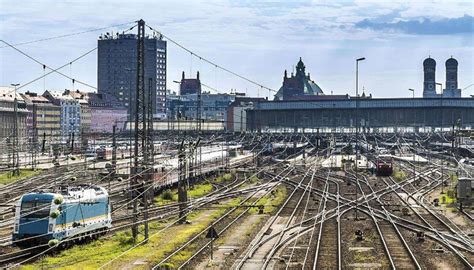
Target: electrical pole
[[34, 140], [190, 161], [43, 145], [414, 160], [72, 143], [114, 150], [198, 126], [148, 157], [141, 133], [16, 159], [227, 155], [182, 188]]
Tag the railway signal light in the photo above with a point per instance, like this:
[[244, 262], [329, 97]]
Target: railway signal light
[[212, 234]]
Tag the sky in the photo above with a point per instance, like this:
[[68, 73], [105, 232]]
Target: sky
[[256, 39]]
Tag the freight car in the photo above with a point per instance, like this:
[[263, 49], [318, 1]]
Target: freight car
[[73, 213], [384, 166], [103, 153]]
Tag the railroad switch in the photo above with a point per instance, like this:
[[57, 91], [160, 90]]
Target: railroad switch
[[360, 235]]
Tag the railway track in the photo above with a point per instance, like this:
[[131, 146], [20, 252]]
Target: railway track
[[261, 251], [401, 255], [221, 225], [328, 244]]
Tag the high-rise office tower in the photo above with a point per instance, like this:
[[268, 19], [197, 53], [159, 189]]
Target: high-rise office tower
[[117, 64]]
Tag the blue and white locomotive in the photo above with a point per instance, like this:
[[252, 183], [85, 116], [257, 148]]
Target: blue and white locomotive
[[76, 213]]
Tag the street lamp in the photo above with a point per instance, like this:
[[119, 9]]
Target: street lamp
[[414, 115], [357, 130], [442, 95]]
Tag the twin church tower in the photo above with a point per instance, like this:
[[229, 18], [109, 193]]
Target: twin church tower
[[429, 84]]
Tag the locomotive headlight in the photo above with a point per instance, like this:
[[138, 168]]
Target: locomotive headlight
[[50, 228]]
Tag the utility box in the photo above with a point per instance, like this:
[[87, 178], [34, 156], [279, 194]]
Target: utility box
[[465, 189]]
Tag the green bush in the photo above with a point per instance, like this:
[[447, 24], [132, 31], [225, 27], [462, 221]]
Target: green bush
[[124, 238], [228, 177], [167, 195], [399, 175]]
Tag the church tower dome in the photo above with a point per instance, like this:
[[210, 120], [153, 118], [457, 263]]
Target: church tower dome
[[429, 82]]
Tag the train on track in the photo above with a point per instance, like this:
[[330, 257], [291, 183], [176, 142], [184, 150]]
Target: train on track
[[74, 213], [384, 166]]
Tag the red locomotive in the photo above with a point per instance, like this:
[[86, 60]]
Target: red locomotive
[[384, 166]]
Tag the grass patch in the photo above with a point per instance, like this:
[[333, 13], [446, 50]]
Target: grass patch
[[453, 177], [167, 195], [171, 195], [224, 178], [228, 177], [271, 201], [7, 178], [254, 179], [219, 179], [399, 175], [448, 197], [363, 257]]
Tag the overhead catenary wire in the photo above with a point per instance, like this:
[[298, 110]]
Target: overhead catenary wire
[[44, 65], [54, 70], [209, 61], [68, 35]]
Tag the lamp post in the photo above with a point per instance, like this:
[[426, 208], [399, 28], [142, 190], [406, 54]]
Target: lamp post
[[178, 112], [357, 131], [413, 105], [16, 160], [442, 112], [442, 177]]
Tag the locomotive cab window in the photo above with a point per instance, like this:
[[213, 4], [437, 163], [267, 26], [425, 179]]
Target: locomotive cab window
[[35, 209]]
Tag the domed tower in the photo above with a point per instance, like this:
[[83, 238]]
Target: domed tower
[[451, 89], [429, 83]]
